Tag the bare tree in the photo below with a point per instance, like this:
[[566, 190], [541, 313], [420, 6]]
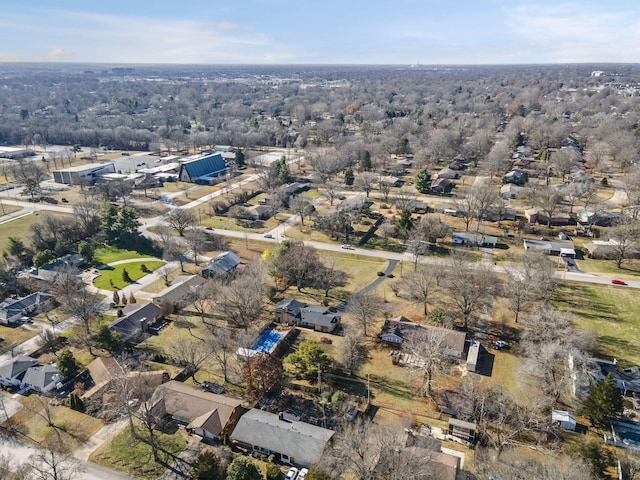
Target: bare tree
[[365, 181], [420, 284], [352, 352], [626, 234], [181, 219], [50, 464], [332, 191], [429, 349], [404, 200], [548, 199], [470, 287], [364, 307], [240, 302], [223, 346], [190, 355], [83, 305], [301, 207]]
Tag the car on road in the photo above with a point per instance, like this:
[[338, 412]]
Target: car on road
[[500, 344], [618, 282], [158, 160], [303, 474], [140, 164], [64, 200], [268, 235], [292, 474], [208, 228], [346, 246]]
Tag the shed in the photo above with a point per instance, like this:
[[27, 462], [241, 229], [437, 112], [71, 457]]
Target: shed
[[564, 419], [461, 430], [473, 356]]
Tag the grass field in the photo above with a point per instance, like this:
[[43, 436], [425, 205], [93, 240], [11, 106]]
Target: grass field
[[612, 313], [111, 277], [20, 227], [10, 337], [126, 454], [110, 254]]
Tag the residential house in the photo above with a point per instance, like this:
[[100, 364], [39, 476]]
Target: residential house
[[599, 218], [472, 239], [296, 187], [606, 249], [222, 264], [203, 169], [446, 173], [534, 215], [293, 312], [42, 378], [180, 288], [396, 331], [457, 165], [260, 212], [292, 442], [443, 466], [563, 419], [390, 181], [511, 191], [136, 320], [517, 177], [207, 415], [12, 372], [441, 185], [562, 249], [12, 310], [50, 271]]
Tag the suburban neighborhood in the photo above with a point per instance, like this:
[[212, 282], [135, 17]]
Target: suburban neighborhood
[[366, 288]]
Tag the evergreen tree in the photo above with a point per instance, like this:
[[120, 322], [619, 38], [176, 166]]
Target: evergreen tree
[[365, 161], [404, 224], [206, 467], [243, 468], [423, 180], [603, 403], [66, 364], [349, 177], [42, 258], [240, 160]]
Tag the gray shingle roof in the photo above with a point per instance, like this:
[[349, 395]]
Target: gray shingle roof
[[302, 441], [41, 376], [17, 366], [223, 263]]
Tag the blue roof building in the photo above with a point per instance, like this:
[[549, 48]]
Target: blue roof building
[[203, 169]]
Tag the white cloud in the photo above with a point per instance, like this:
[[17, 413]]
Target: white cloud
[[109, 38], [574, 32]]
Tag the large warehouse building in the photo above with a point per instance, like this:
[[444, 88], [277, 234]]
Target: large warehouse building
[[83, 174]]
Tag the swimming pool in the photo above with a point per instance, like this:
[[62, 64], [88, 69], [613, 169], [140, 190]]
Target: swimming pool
[[267, 341]]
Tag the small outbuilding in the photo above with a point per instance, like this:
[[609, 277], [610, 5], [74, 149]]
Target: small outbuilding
[[564, 419]]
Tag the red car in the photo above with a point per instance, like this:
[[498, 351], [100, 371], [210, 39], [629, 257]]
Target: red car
[[618, 282]]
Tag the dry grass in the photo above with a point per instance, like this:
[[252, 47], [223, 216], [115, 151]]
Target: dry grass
[[71, 428], [12, 336]]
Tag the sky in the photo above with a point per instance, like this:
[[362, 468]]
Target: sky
[[427, 32]]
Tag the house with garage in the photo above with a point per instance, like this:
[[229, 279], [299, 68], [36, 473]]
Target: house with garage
[[203, 169], [260, 212], [222, 264], [42, 378], [441, 185], [291, 441], [399, 330], [135, 321], [471, 239], [178, 291], [14, 309], [511, 191], [548, 247], [300, 314], [12, 372], [446, 173], [205, 414]]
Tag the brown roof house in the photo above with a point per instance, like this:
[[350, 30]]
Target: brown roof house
[[207, 415], [396, 331]]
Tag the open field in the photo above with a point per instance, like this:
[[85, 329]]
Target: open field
[[111, 277], [10, 337], [21, 228], [110, 254], [612, 313]]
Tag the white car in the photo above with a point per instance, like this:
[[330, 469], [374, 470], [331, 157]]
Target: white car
[[500, 344], [346, 246], [292, 474], [303, 474]]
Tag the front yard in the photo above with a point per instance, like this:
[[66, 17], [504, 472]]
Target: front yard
[[111, 278]]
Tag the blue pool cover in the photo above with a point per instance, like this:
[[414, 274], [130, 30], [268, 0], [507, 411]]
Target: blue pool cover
[[267, 341]]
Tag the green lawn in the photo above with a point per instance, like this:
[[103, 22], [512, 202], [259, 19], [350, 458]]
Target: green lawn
[[612, 313], [126, 454], [114, 274], [109, 254], [21, 228]]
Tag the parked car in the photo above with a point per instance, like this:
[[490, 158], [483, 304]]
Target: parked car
[[208, 228], [292, 474], [346, 246], [500, 344], [618, 282], [140, 164], [64, 200], [268, 235], [303, 474]]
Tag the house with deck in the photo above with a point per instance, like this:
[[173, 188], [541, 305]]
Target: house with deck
[[300, 314]]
